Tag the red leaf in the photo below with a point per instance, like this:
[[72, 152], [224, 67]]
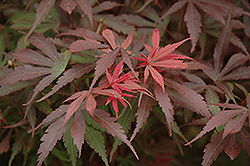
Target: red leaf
[[213, 149], [68, 5], [245, 140], [233, 147], [235, 125], [86, 8], [127, 41], [50, 138], [218, 119], [78, 128], [193, 19], [142, 114], [42, 11], [81, 45], [166, 105], [248, 101], [156, 38], [157, 77], [115, 129]]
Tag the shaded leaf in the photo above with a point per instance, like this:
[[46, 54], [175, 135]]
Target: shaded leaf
[[240, 73], [212, 97], [142, 114], [222, 44], [245, 140], [5, 143], [87, 9], [42, 11]]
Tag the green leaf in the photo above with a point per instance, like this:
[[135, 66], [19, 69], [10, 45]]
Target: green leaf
[[95, 140], [68, 143]]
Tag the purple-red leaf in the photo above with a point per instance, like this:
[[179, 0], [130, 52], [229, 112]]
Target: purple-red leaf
[[218, 119], [166, 105], [193, 98], [78, 128], [142, 114], [86, 8], [5, 143], [235, 125], [213, 149], [68, 5], [50, 139], [245, 140], [42, 11], [222, 44], [115, 129], [104, 63], [233, 147], [81, 45], [75, 72], [193, 19], [106, 5]]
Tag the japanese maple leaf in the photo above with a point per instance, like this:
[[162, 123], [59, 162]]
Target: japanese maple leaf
[[53, 65], [115, 81], [193, 18], [161, 58], [234, 118]]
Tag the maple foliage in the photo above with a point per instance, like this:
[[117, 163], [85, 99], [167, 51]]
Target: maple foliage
[[90, 71]]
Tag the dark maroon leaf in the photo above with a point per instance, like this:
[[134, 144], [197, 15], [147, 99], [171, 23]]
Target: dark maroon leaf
[[193, 98], [165, 104], [5, 143], [245, 140], [222, 44], [241, 73], [213, 149], [235, 125], [142, 114], [233, 147], [218, 119]]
